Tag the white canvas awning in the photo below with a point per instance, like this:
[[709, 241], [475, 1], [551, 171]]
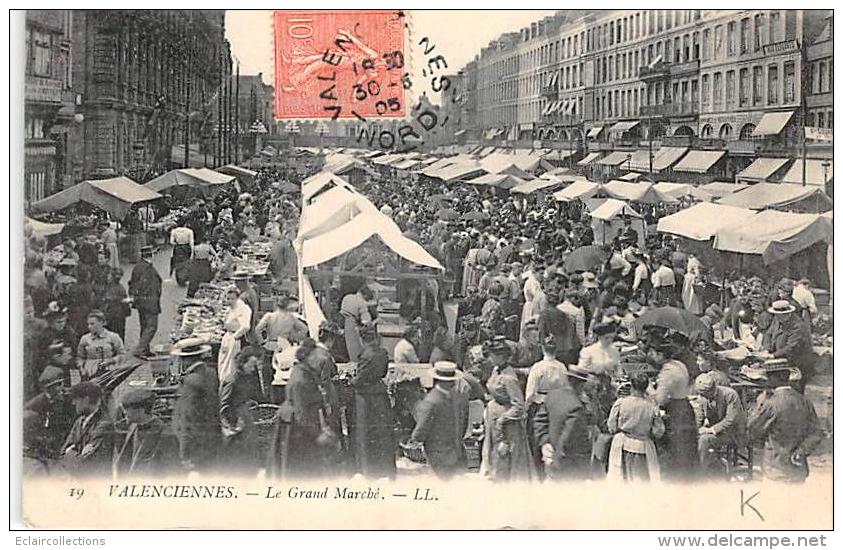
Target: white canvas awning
[[315, 184], [761, 169], [772, 124], [699, 162], [702, 221], [817, 172], [588, 159], [580, 189]]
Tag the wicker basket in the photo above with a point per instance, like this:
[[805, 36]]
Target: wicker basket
[[263, 417], [413, 453], [473, 452]]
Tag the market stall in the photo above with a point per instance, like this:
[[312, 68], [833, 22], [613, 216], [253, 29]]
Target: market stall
[[607, 220], [781, 196], [203, 182]]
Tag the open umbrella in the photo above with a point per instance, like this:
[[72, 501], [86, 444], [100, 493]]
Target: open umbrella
[[447, 214], [585, 258], [288, 187], [475, 216], [672, 318]]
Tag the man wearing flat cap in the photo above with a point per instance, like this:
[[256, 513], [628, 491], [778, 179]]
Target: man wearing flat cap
[[787, 424], [149, 447], [145, 290], [724, 419], [441, 421], [88, 448]]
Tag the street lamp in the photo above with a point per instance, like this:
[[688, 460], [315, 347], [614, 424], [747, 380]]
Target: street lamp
[[826, 166], [321, 129]]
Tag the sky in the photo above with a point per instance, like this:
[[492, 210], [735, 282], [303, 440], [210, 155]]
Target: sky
[[458, 34]]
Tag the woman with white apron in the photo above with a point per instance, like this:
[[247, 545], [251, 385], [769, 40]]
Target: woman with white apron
[[237, 322]]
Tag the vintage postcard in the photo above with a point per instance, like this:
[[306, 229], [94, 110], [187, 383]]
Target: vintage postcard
[[427, 269]]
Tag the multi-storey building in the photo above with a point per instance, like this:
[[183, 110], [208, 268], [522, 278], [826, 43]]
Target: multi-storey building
[[49, 111], [147, 82], [731, 79], [255, 113]]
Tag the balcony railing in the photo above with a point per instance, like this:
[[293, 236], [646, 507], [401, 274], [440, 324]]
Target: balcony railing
[[685, 108], [743, 147], [781, 47], [549, 91], [659, 70], [686, 67], [43, 90]]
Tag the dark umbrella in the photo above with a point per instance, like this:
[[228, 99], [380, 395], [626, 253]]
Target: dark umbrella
[[475, 216], [447, 214], [585, 258], [672, 318]]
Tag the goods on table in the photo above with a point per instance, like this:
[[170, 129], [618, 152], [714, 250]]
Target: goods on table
[[203, 315]]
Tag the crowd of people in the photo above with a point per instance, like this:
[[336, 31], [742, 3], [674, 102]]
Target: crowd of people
[[572, 385]]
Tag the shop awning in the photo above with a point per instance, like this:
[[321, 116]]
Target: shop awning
[[815, 172], [667, 157], [594, 132], [625, 126], [612, 208], [632, 176], [772, 124], [702, 221], [761, 169], [588, 159], [615, 158], [554, 78], [774, 235], [641, 160], [43, 229], [115, 195], [781, 196], [699, 162]]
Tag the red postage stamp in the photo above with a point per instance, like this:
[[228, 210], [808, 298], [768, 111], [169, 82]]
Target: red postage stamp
[[339, 64]]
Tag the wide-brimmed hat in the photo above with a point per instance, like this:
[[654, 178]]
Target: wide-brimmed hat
[[444, 370], [50, 376], [780, 307], [147, 250], [190, 347]]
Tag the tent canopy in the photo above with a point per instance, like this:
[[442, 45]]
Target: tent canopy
[[636, 192], [244, 174], [612, 208], [588, 159], [780, 195], [43, 229], [719, 189], [701, 221], [331, 209], [458, 171], [529, 187], [774, 235], [502, 181], [196, 178], [116, 196], [348, 236], [313, 185], [580, 189]]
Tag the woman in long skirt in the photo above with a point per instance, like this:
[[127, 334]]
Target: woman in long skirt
[[373, 439], [635, 421], [300, 448], [355, 310], [680, 460], [506, 453], [237, 322]]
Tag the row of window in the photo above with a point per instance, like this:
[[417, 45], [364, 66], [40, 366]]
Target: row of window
[[820, 118], [746, 87], [822, 76], [636, 26]]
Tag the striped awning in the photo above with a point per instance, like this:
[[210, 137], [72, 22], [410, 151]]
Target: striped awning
[[772, 124], [699, 162], [667, 157]]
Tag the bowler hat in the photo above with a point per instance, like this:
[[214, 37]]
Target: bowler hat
[[147, 250]]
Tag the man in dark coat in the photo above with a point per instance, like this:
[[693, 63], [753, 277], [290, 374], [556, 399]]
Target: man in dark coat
[[561, 430], [441, 423], [787, 424], [196, 420], [149, 447], [790, 338], [53, 409], [89, 446], [556, 323], [145, 290]]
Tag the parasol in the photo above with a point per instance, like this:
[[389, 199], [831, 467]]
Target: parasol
[[447, 214], [585, 258], [475, 216], [673, 318]]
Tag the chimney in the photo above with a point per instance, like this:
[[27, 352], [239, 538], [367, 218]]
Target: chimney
[[533, 28]]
